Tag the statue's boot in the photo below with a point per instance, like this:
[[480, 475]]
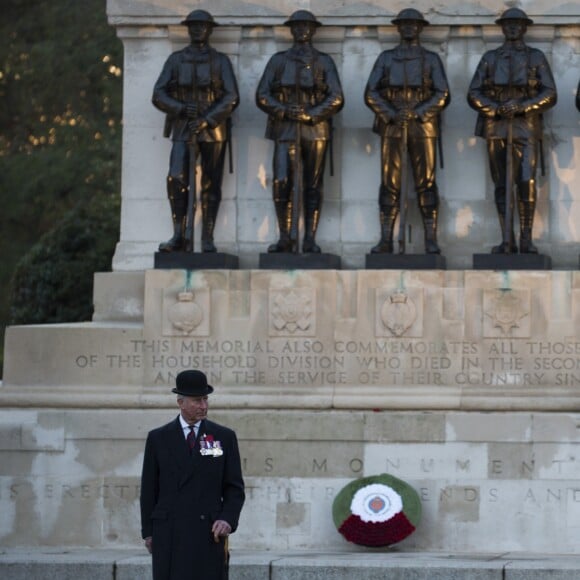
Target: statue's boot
[[209, 213], [388, 215], [504, 247], [429, 204], [311, 219], [178, 204], [284, 216], [527, 210]]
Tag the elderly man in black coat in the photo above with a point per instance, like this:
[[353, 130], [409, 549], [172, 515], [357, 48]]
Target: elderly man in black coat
[[192, 490]]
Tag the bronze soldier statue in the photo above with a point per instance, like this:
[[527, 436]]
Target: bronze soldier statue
[[300, 91], [511, 88], [407, 90], [197, 90]]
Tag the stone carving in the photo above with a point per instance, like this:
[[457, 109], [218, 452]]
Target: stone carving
[[511, 88], [185, 315], [301, 92], [407, 90], [398, 313], [292, 312], [197, 90], [506, 310]]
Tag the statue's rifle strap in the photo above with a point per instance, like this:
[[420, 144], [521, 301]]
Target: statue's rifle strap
[[440, 141], [542, 159], [229, 143], [331, 147]]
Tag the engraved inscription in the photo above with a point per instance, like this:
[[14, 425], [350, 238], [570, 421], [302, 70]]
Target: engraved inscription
[[282, 361]]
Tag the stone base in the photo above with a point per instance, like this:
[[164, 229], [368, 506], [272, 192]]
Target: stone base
[[76, 474], [405, 262], [195, 261], [511, 262], [59, 564], [288, 261], [326, 376]]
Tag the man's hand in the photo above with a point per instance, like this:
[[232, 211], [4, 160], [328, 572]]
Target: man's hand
[[510, 109], [149, 544], [298, 113], [220, 528]]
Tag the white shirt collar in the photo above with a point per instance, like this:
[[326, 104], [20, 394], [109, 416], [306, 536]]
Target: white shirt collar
[[185, 426]]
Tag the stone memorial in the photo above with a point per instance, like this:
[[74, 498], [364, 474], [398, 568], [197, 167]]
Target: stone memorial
[[463, 383]]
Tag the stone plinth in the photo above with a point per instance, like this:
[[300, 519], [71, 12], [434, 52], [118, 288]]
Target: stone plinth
[[326, 376], [404, 339], [75, 474]]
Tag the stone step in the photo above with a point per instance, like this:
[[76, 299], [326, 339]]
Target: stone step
[[90, 564]]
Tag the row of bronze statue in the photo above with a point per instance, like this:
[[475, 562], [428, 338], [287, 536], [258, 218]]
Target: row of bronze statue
[[300, 91]]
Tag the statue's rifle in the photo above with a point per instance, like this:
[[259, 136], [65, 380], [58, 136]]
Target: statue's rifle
[[403, 191], [509, 189], [192, 186], [297, 185], [509, 182], [403, 184]]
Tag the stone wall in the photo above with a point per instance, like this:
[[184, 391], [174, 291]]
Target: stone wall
[[488, 483], [464, 384]]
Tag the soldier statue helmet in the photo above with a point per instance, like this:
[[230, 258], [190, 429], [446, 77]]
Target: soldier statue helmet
[[302, 16], [199, 16], [410, 14], [514, 14]]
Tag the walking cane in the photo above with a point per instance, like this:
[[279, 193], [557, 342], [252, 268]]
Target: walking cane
[[226, 558], [403, 189]]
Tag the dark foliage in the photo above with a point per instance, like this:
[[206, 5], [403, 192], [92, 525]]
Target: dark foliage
[[60, 136], [54, 281]]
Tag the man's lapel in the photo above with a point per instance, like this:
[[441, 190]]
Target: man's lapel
[[179, 450]]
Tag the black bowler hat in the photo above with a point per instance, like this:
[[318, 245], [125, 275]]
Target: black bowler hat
[[192, 384]]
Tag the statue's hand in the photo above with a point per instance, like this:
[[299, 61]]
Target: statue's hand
[[405, 115], [197, 126], [191, 110], [510, 109], [297, 113]]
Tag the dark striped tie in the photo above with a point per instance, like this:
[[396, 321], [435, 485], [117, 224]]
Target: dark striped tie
[[191, 439]]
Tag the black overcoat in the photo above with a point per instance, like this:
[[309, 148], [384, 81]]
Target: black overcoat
[[182, 495]]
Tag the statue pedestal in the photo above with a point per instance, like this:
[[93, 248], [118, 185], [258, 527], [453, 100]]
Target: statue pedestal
[[287, 261], [511, 262], [405, 262], [192, 261]]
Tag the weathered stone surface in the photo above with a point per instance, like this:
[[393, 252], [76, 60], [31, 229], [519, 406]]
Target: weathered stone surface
[[407, 339], [288, 565]]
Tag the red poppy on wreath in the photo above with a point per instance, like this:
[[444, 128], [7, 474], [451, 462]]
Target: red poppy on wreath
[[376, 511]]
